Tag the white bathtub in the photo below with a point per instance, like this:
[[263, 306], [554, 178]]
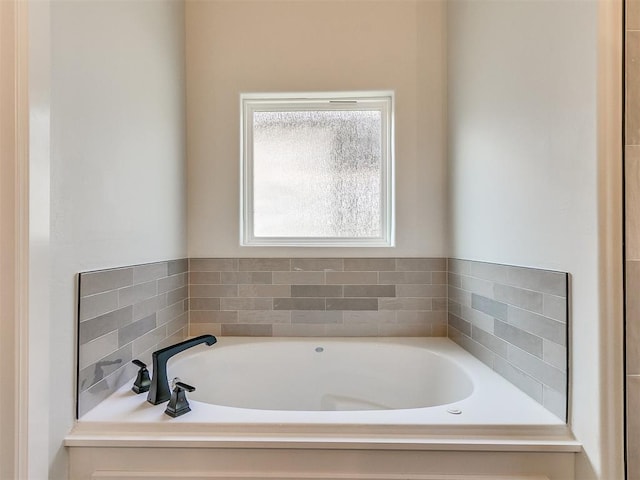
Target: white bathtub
[[329, 381]]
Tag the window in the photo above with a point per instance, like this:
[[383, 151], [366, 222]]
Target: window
[[317, 169]]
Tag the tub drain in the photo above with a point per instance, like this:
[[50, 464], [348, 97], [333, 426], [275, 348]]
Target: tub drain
[[319, 349]]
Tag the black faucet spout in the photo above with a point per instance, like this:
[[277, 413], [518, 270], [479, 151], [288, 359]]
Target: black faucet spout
[[159, 390]]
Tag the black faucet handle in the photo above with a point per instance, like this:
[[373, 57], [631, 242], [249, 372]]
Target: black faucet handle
[[184, 386], [143, 381], [178, 404]]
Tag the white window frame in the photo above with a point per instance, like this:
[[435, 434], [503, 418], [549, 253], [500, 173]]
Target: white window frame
[[382, 101]]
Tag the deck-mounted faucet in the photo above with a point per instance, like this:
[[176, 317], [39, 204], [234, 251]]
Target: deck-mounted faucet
[[159, 391]]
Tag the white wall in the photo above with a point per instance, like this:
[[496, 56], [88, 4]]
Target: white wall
[[281, 46], [523, 157], [118, 182]]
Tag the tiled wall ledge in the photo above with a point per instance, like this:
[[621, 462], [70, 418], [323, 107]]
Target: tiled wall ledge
[[514, 319], [318, 297], [126, 313]]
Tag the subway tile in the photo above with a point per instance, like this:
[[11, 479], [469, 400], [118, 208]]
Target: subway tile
[[205, 278], [177, 266], [213, 264], [439, 303], [169, 313], [264, 264], [316, 291], [99, 326], [405, 303], [632, 97], [555, 402], [489, 271], [246, 303], [91, 397], [177, 323], [352, 303], [521, 339], [172, 339], [538, 325], [196, 329], [92, 351], [477, 318], [95, 372], [264, 290], [458, 266], [147, 307], [555, 307], [204, 303], [493, 343], [300, 330], [454, 280], [352, 278], [299, 303], [482, 353], [369, 264], [554, 354], [171, 283], [247, 330], [368, 291], [459, 324], [261, 278], [105, 280], [136, 329], [213, 316], [298, 278], [545, 281], [148, 341], [421, 291], [490, 307], [397, 278], [439, 278], [149, 272], [417, 317], [137, 293], [317, 264], [263, 316], [99, 304], [421, 264], [351, 330], [539, 370], [460, 296], [176, 295], [213, 291], [439, 330], [403, 330], [520, 379], [477, 285], [632, 200], [313, 316], [527, 299], [369, 316]]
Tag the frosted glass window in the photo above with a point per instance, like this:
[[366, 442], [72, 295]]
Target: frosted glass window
[[317, 171]]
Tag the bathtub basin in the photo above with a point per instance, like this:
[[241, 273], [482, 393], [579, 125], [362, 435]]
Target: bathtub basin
[[322, 375]]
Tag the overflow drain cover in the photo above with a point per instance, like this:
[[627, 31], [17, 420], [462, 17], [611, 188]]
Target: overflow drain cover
[[454, 411], [319, 349]]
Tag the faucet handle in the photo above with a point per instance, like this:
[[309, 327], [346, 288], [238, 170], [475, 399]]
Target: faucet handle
[[178, 404], [143, 381]]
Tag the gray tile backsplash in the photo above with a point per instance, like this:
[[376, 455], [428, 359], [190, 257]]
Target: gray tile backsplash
[[318, 296], [514, 319], [126, 313]]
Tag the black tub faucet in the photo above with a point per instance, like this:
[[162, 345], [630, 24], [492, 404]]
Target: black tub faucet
[[159, 390]]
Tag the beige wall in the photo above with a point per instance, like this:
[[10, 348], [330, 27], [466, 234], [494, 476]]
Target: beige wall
[[117, 168], [527, 182], [290, 46]]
